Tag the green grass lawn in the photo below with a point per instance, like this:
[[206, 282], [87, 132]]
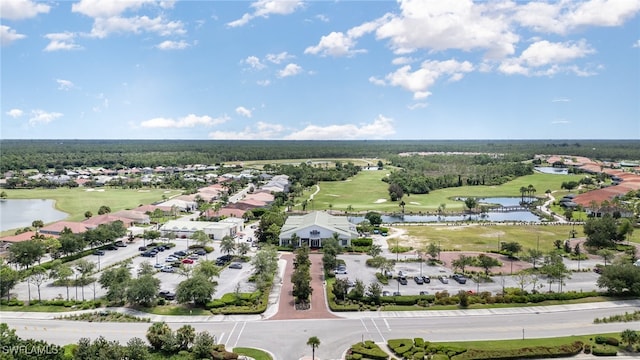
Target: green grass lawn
[[487, 238], [77, 201], [255, 354], [363, 192]]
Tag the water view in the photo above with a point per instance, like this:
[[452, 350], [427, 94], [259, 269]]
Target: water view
[[20, 213], [496, 216]]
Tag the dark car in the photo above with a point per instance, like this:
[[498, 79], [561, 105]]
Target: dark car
[[418, 280], [121, 244], [403, 280], [180, 253], [201, 252], [148, 254], [98, 252], [386, 293], [222, 260], [461, 279], [142, 248], [426, 279], [111, 247], [160, 248], [235, 265]]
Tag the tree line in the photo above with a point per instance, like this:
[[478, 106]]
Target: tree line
[[114, 154]]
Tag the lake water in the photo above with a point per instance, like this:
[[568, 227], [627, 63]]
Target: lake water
[[20, 213], [552, 170], [495, 216]]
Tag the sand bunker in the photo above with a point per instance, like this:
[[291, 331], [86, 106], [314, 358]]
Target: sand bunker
[[379, 201]]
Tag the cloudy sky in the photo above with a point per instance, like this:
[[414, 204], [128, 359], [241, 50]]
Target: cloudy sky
[[411, 69]]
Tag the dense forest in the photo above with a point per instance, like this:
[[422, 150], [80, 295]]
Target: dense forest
[[49, 154]]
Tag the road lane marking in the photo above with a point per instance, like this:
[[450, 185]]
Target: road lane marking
[[239, 334], [364, 325], [386, 323], [379, 332]]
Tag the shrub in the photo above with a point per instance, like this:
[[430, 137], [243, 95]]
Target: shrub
[[362, 242], [604, 350], [607, 340], [400, 346], [368, 350]]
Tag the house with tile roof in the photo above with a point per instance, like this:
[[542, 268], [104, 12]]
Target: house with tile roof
[[56, 228], [313, 228]]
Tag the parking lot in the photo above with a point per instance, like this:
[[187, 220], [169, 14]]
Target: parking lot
[[358, 270], [227, 282]]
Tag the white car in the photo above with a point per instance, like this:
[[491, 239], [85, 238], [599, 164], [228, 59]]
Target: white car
[[171, 259], [168, 268], [340, 271]]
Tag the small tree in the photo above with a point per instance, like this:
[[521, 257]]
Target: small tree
[[314, 342], [630, 337], [38, 276]]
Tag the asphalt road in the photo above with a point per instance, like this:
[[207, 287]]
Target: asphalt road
[[286, 339]]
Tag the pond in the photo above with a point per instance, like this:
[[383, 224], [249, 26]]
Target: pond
[[552, 170], [20, 213], [494, 216]]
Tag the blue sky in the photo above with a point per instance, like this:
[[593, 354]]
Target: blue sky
[[415, 69]]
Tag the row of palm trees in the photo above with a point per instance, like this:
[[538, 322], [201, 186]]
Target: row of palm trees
[[529, 191]]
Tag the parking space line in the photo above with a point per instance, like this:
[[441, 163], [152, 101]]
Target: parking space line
[[221, 337], [226, 344], [387, 324]]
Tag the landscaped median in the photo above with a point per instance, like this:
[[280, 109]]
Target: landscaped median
[[420, 349]]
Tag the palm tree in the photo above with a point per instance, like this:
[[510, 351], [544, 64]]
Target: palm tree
[[227, 244], [314, 342], [629, 336], [402, 205], [37, 224], [531, 191], [523, 190]]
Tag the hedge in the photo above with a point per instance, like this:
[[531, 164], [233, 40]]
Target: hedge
[[362, 242], [368, 350], [604, 350], [400, 346], [535, 352], [607, 340]]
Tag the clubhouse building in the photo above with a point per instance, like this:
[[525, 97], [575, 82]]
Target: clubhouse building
[[311, 229]]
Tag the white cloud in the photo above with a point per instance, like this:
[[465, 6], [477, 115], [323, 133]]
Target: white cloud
[[381, 127], [560, 122], [243, 111], [15, 113], [105, 9], [263, 82], [190, 120], [636, 44], [254, 62], [322, 17], [402, 60], [561, 100], [264, 8], [442, 25], [290, 70], [565, 16], [64, 84], [173, 45], [261, 130], [61, 41], [422, 79], [543, 58], [418, 105], [374, 80], [21, 9], [335, 44], [103, 27], [42, 117], [278, 58], [9, 35]]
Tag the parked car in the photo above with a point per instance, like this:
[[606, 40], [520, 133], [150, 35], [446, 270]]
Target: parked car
[[158, 266], [160, 248], [386, 293], [461, 279], [98, 252], [340, 271], [201, 252], [180, 253], [400, 273], [170, 296], [426, 279], [193, 257], [424, 293], [444, 279], [142, 248], [111, 247], [171, 258], [396, 293], [403, 280], [168, 268], [148, 254], [187, 261], [120, 244], [235, 265], [388, 274], [418, 280]]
